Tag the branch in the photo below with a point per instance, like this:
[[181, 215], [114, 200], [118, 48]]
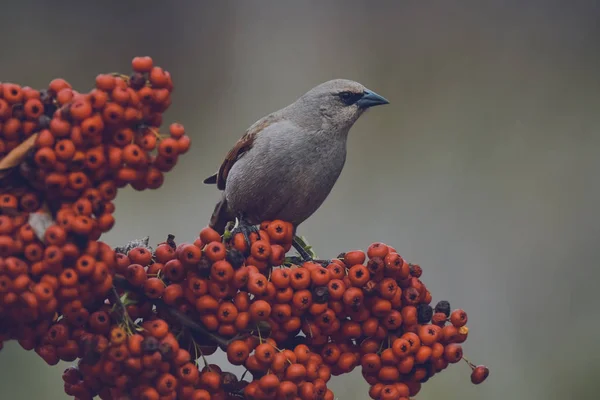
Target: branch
[[185, 321]]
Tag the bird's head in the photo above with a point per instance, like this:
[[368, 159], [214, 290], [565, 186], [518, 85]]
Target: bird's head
[[338, 103]]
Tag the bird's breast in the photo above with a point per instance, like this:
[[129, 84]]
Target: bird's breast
[[285, 177]]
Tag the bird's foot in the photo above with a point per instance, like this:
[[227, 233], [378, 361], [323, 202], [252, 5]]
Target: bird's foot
[[245, 228]]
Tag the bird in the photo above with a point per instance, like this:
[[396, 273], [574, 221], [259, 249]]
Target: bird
[[286, 164]]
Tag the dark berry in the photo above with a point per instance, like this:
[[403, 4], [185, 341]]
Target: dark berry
[[229, 380], [150, 345], [46, 96], [424, 313], [235, 258], [137, 81], [416, 270], [166, 350], [203, 267], [443, 307], [44, 121], [321, 294], [65, 112], [18, 110]]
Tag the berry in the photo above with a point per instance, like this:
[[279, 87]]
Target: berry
[[424, 313], [443, 307], [479, 374], [138, 317]]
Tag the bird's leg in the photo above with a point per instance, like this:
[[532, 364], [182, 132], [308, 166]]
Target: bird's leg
[[245, 229]]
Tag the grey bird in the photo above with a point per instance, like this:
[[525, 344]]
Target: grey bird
[[286, 163]]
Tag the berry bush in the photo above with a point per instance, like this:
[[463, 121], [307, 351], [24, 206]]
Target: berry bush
[[138, 322]]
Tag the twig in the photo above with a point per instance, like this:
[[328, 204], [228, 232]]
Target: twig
[[184, 320]]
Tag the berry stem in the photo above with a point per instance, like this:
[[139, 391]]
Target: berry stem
[[469, 363]]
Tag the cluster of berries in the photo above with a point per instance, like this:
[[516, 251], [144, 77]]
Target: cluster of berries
[[139, 322], [63, 156], [292, 326]]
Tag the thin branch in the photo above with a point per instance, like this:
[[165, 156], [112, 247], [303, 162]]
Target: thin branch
[[185, 321]]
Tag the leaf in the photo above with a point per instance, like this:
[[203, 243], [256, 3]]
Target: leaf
[[307, 247], [17, 155], [40, 221]]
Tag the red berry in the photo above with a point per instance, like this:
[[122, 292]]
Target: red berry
[[479, 374]]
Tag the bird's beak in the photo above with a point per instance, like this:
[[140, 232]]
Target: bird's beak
[[371, 99]]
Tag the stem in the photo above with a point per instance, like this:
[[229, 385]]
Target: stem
[[121, 309], [184, 320], [469, 363]]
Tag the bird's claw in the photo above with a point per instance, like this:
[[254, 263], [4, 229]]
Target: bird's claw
[[245, 229]]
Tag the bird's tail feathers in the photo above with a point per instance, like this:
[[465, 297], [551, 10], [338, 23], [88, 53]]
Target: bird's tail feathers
[[211, 180]]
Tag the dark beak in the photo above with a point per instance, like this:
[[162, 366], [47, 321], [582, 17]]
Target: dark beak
[[371, 99]]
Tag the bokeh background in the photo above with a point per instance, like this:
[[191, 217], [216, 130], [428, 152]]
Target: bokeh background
[[484, 168]]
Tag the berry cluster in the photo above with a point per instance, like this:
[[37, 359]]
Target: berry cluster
[[64, 154], [138, 322], [292, 326]]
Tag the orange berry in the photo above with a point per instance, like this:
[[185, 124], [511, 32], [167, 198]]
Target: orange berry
[[113, 113], [142, 64], [56, 85], [453, 353], [33, 108], [260, 310], [64, 150], [12, 93], [458, 318], [81, 108], [377, 249]]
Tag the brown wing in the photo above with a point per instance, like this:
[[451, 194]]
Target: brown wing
[[242, 146]]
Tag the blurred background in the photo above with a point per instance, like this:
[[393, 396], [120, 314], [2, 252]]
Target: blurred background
[[483, 169]]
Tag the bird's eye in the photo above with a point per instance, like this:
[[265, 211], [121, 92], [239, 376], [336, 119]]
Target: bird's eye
[[350, 98]]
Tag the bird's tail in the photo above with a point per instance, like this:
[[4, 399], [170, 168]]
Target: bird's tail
[[220, 216]]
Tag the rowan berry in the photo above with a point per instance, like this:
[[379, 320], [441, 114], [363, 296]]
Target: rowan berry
[[12, 93], [45, 157], [260, 250], [92, 125], [168, 148], [222, 271], [154, 288], [172, 294], [354, 257], [257, 284], [302, 300], [215, 251], [479, 374], [458, 318], [208, 235], [260, 310], [377, 249], [353, 297], [453, 353], [439, 319], [358, 275], [381, 307], [415, 270]]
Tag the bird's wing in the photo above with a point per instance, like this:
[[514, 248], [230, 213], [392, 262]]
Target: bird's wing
[[241, 147]]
